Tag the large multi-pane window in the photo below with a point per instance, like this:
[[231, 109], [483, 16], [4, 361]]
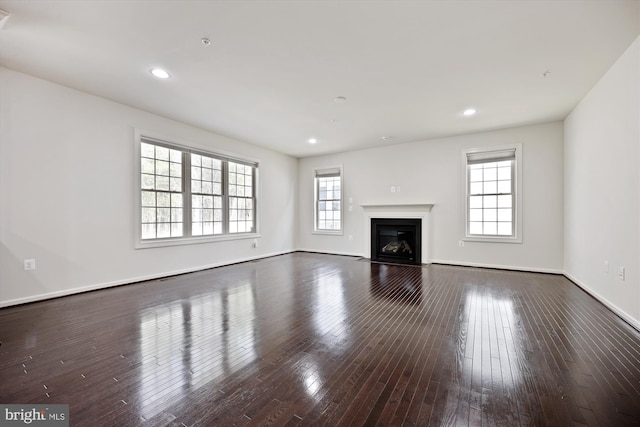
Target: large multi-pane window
[[491, 193], [187, 193], [328, 200]]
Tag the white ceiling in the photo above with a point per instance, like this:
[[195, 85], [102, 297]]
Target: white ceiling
[[407, 68]]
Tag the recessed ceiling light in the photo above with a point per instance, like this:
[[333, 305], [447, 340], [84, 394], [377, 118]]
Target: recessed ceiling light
[[339, 99], [386, 138], [469, 112], [160, 73], [205, 41], [312, 140]]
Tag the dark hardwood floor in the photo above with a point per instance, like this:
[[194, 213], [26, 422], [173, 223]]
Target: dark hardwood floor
[[310, 339]]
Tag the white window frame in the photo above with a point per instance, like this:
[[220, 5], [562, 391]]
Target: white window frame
[[327, 172], [140, 243], [488, 152]]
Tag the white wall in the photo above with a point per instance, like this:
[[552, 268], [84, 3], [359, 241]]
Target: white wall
[[67, 193], [430, 172], [602, 187]]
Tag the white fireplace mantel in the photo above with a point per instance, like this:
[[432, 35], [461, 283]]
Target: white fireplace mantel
[[397, 210]]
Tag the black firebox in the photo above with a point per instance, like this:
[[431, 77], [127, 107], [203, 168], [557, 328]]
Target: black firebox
[[396, 240]]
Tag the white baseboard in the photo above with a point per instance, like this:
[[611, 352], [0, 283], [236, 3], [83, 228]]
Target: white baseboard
[[498, 266], [611, 306], [318, 251], [95, 287]]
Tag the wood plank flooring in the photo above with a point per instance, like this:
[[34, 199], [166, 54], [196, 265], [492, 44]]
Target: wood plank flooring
[[311, 339]]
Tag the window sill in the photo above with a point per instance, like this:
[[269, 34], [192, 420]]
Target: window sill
[[490, 239], [160, 243], [328, 233]]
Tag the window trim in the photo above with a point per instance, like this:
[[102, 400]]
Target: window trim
[[139, 243], [517, 205], [317, 172]]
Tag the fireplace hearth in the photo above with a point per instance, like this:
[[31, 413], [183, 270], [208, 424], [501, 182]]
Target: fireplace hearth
[[396, 240]]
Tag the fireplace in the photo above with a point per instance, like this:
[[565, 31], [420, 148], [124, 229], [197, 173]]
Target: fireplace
[[417, 211], [396, 240]]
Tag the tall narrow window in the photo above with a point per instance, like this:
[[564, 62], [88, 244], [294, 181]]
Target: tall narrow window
[[206, 195], [161, 185], [328, 200], [187, 193], [491, 193], [241, 198]]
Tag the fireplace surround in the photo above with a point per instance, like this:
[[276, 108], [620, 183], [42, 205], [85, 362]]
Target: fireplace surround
[[421, 211]]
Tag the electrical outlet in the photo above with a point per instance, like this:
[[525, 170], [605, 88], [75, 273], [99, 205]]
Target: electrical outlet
[[393, 189], [29, 264], [621, 273], [350, 237], [605, 268], [461, 243]]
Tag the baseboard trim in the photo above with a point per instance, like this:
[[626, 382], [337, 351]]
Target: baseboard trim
[[611, 306], [132, 280], [317, 251], [498, 266]]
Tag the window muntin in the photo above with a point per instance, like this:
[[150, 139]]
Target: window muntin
[[491, 193], [184, 193], [328, 203]]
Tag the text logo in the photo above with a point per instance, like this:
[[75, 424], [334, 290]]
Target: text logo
[[34, 415]]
